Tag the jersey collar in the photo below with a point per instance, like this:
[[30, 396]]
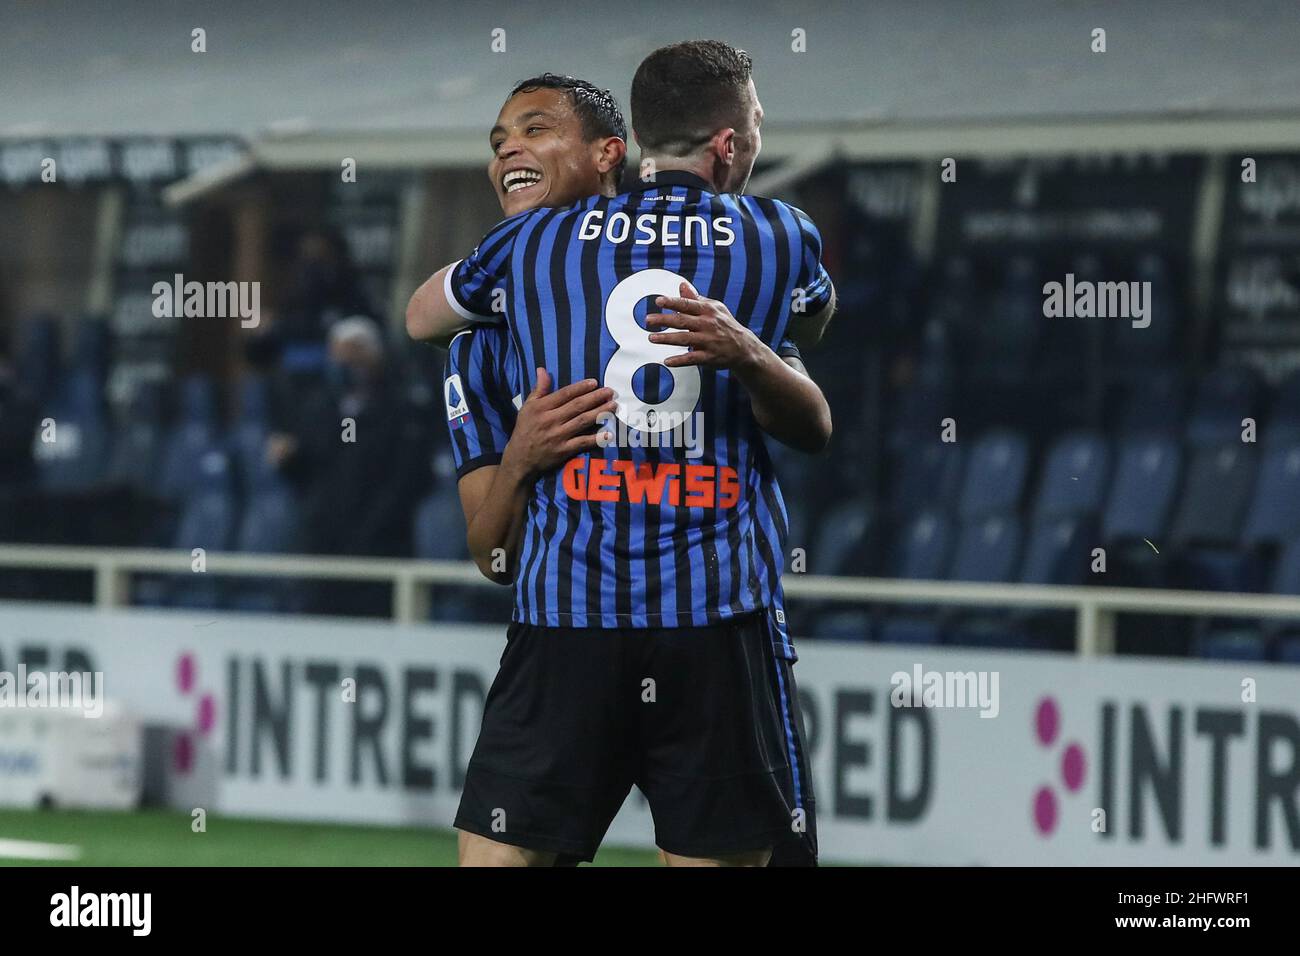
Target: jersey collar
[[673, 177]]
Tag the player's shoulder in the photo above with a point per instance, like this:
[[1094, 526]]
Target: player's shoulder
[[776, 208]]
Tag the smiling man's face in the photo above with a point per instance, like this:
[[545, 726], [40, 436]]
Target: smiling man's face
[[539, 154]]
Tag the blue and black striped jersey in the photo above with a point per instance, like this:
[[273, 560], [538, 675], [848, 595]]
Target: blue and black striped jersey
[[673, 524], [482, 390]]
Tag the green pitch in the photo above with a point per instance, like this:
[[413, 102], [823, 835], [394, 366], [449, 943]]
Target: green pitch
[[163, 838]]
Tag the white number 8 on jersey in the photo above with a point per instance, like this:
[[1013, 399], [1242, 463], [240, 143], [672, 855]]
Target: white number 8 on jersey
[[635, 350]]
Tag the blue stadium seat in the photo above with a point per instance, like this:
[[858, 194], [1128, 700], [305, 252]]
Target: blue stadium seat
[[248, 436], [1223, 398], [271, 523], [440, 526], [1057, 552], [1220, 479], [987, 550], [1207, 526], [842, 625], [38, 362], [1237, 644], [208, 520], [841, 539], [138, 441], [195, 436], [995, 475], [909, 629], [1142, 495], [925, 471], [923, 549], [77, 459], [1074, 476], [1274, 514]]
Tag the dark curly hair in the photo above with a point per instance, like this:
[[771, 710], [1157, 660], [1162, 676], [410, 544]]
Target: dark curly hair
[[596, 108]]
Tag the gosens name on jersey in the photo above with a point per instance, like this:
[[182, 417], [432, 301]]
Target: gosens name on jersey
[[650, 531]]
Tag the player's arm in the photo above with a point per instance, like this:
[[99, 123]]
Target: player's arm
[[813, 304], [430, 315], [467, 291], [807, 328], [551, 428], [787, 403]]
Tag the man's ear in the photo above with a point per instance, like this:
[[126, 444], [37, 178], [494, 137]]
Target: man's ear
[[723, 146], [611, 152]]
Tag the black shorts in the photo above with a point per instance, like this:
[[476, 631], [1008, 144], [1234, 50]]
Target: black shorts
[[702, 720]]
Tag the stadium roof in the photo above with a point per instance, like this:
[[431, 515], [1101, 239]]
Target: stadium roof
[[308, 82]]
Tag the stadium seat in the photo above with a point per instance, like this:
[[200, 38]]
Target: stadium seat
[[76, 461], [842, 625], [38, 362], [137, 443], [1274, 514], [1220, 479], [909, 629], [995, 475], [1074, 476], [1207, 527], [987, 550], [1147, 473], [923, 548], [249, 433], [841, 542], [1056, 551], [924, 471], [208, 520], [194, 436], [440, 526], [1240, 644], [1223, 398]]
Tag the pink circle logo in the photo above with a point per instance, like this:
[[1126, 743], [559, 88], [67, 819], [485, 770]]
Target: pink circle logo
[[1047, 728], [205, 715]]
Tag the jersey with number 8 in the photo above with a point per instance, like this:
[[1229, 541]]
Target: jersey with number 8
[[659, 528]]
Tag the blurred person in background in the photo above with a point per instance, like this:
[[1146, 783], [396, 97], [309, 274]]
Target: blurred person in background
[[358, 453]]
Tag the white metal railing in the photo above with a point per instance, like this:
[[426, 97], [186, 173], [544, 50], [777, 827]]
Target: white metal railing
[[1095, 608]]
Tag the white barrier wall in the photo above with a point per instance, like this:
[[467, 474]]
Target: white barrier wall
[[1081, 761]]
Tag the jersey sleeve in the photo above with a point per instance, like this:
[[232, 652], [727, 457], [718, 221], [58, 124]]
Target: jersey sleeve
[[475, 285], [814, 282], [480, 397], [787, 349]]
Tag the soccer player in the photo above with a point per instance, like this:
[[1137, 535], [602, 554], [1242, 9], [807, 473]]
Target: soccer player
[[678, 541]]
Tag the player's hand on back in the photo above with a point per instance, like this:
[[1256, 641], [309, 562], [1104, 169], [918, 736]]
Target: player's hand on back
[[553, 426], [709, 330]]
